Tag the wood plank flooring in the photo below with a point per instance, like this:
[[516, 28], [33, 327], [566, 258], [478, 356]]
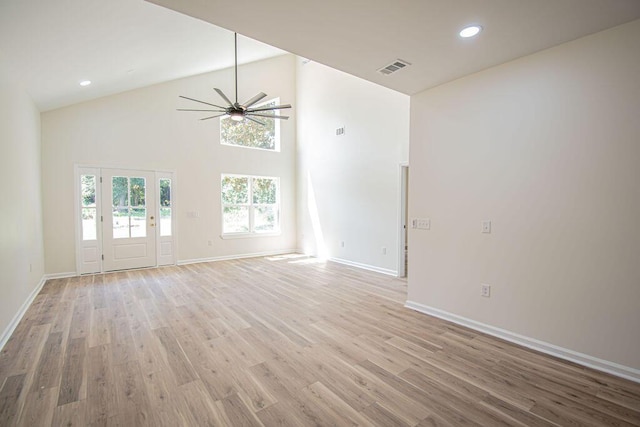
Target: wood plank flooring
[[278, 341]]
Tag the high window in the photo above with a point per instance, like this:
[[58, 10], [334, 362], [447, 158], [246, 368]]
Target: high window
[[250, 204], [250, 134]]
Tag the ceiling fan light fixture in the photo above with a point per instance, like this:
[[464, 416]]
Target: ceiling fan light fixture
[[234, 110], [470, 31]]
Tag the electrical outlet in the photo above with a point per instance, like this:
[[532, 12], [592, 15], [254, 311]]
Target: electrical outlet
[[384, 250], [486, 226], [209, 242], [485, 290]]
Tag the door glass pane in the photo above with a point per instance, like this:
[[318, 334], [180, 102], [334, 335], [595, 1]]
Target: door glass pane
[[120, 222], [165, 207], [88, 201], [165, 192], [120, 186], [138, 222], [129, 212], [137, 189], [235, 219], [89, 223], [120, 207], [88, 189], [165, 222]]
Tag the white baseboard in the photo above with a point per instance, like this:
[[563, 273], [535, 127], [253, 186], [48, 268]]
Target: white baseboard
[[23, 309], [612, 368], [60, 275], [365, 266], [238, 256]]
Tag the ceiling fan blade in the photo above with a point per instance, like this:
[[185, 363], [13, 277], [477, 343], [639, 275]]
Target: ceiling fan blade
[[190, 109], [271, 116], [212, 117], [253, 100], [202, 102], [277, 107], [223, 96], [254, 120]]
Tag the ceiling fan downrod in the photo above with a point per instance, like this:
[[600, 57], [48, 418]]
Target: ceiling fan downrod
[[234, 110]]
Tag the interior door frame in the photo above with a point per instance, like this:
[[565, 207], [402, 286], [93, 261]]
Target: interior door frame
[[402, 216], [80, 169]]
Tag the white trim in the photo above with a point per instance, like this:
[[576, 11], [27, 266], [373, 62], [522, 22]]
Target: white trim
[[381, 270], [612, 368], [228, 236], [62, 275], [98, 171], [8, 331], [238, 256], [402, 216]]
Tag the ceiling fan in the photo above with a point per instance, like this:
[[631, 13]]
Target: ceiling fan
[[239, 112]]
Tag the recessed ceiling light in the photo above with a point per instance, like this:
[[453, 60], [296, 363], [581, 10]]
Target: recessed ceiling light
[[85, 83], [470, 31]]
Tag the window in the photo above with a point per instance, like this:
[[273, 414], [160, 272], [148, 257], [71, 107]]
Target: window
[[250, 204], [129, 207], [165, 207], [251, 134], [88, 206]]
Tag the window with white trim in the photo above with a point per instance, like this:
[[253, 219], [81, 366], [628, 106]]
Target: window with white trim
[[250, 134], [250, 204]]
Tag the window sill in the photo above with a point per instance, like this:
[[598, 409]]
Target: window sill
[[270, 150], [248, 235]]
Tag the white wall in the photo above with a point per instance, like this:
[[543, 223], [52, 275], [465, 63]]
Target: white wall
[[141, 129], [21, 248], [348, 186], [546, 147]]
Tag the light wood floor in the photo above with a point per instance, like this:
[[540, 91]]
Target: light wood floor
[[277, 341]]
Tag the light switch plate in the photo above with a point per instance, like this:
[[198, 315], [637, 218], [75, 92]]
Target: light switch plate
[[424, 224], [486, 226]]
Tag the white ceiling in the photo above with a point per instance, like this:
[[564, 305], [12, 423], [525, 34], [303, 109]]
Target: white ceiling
[[51, 45], [361, 36]]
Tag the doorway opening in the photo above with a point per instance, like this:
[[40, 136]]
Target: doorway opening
[[124, 219]]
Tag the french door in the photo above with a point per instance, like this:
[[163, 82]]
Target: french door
[[128, 219], [125, 219]]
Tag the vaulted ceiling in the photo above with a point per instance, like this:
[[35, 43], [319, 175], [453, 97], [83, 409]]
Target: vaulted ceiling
[[362, 36], [50, 46]]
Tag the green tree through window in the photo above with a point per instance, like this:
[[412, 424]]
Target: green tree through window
[[250, 204], [251, 134]]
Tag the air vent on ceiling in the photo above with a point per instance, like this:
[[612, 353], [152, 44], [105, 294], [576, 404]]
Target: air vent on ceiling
[[396, 65]]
